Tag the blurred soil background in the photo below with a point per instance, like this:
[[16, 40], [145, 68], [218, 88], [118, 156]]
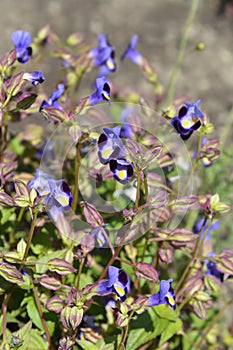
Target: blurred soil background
[[207, 74], [159, 23]]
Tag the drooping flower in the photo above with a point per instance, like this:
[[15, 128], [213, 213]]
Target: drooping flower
[[118, 282], [110, 145], [132, 53], [21, 41], [99, 236], [165, 295], [122, 169], [41, 183], [211, 268], [103, 55], [102, 92], [60, 194], [52, 100], [36, 77], [188, 119], [198, 225]]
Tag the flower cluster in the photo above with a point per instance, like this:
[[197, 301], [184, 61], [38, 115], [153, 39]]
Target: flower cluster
[[111, 151]]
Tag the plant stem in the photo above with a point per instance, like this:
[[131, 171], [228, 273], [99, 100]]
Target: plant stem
[[39, 307], [175, 72], [138, 190], [76, 180], [125, 331], [198, 344], [81, 263], [113, 258], [146, 187], [194, 165], [192, 260], [4, 314], [30, 235]]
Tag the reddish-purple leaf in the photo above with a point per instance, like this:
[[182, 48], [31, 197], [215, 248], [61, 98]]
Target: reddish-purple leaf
[[92, 216], [146, 271]]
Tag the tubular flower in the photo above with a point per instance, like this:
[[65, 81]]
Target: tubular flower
[[103, 55], [165, 295], [110, 145], [126, 130], [41, 183], [56, 193], [188, 119], [102, 92], [36, 77], [198, 225], [52, 101], [118, 282], [98, 234], [132, 53], [122, 169], [21, 41], [211, 269]]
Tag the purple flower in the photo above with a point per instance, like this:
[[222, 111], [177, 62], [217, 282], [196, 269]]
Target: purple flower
[[209, 151], [103, 55], [22, 40], [110, 145], [188, 119], [52, 101], [56, 193], [41, 183], [36, 77], [118, 282], [99, 236], [131, 51], [198, 225], [165, 295], [126, 130], [122, 169], [102, 92], [211, 269], [60, 194]]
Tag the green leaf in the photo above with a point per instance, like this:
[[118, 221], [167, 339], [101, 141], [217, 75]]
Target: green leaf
[[147, 326], [108, 343], [170, 330], [35, 317], [166, 312], [24, 334], [37, 341], [86, 345]]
